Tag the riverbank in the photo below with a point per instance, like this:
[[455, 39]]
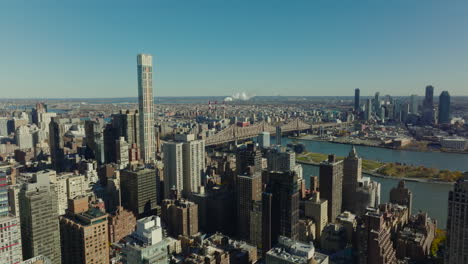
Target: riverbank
[[375, 145], [391, 170]]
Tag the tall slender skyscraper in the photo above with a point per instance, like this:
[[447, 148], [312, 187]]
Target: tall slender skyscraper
[[444, 108], [146, 106], [357, 93], [457, 224]]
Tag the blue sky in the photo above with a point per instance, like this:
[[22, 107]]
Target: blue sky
[[219, 47]]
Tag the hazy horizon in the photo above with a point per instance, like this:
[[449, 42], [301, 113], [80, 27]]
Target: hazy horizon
[[215, 48]]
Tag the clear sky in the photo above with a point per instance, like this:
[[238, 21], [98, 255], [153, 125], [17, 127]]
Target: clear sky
[[81, 48]]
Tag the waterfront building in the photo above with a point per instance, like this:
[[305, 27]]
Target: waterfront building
[[357, 98], [352, 174], [444, 108], [402, 196], [146, 106], [358, 192], [331, 185], [264, 139], [428, 106], [138, 188], [414, 104], [377, 109], [84, 234], [457, 224]]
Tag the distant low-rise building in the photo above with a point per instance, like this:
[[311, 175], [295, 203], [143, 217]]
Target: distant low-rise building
[[454, 143]]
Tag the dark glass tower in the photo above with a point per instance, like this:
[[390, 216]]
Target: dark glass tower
[[428, 106], [444, 108], [357, 93]]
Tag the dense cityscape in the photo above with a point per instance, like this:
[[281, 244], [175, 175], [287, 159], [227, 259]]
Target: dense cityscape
[[238, 179]]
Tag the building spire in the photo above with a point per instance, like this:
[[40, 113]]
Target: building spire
[[353, 153]]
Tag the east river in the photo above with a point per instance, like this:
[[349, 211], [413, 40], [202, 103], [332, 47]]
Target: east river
[[428, 197]]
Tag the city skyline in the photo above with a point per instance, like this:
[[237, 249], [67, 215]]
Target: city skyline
[[306, 48]]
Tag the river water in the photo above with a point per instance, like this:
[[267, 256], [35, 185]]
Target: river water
[[428, 197]]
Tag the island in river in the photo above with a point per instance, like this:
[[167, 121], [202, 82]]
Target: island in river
[[391, 169]]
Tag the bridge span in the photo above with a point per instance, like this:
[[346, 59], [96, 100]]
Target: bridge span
[[235, 133]]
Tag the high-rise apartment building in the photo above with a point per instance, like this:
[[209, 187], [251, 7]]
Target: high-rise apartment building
[[138, 188], [264, 139], [368, 110], [193, 156], [180, 216], [249, 190], [248, 158], [317, 209], [352, 173], [126, 124], [122, 152], [173, 168], [121, 224], [373, 243], [40, 232], [146, 106], [444, 108], [4, 207], [3, 127], [457, 224], [10, 239], [331, 185], [56, 132], [402, 196], [95, 139], [357, 94], [84, 235]]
